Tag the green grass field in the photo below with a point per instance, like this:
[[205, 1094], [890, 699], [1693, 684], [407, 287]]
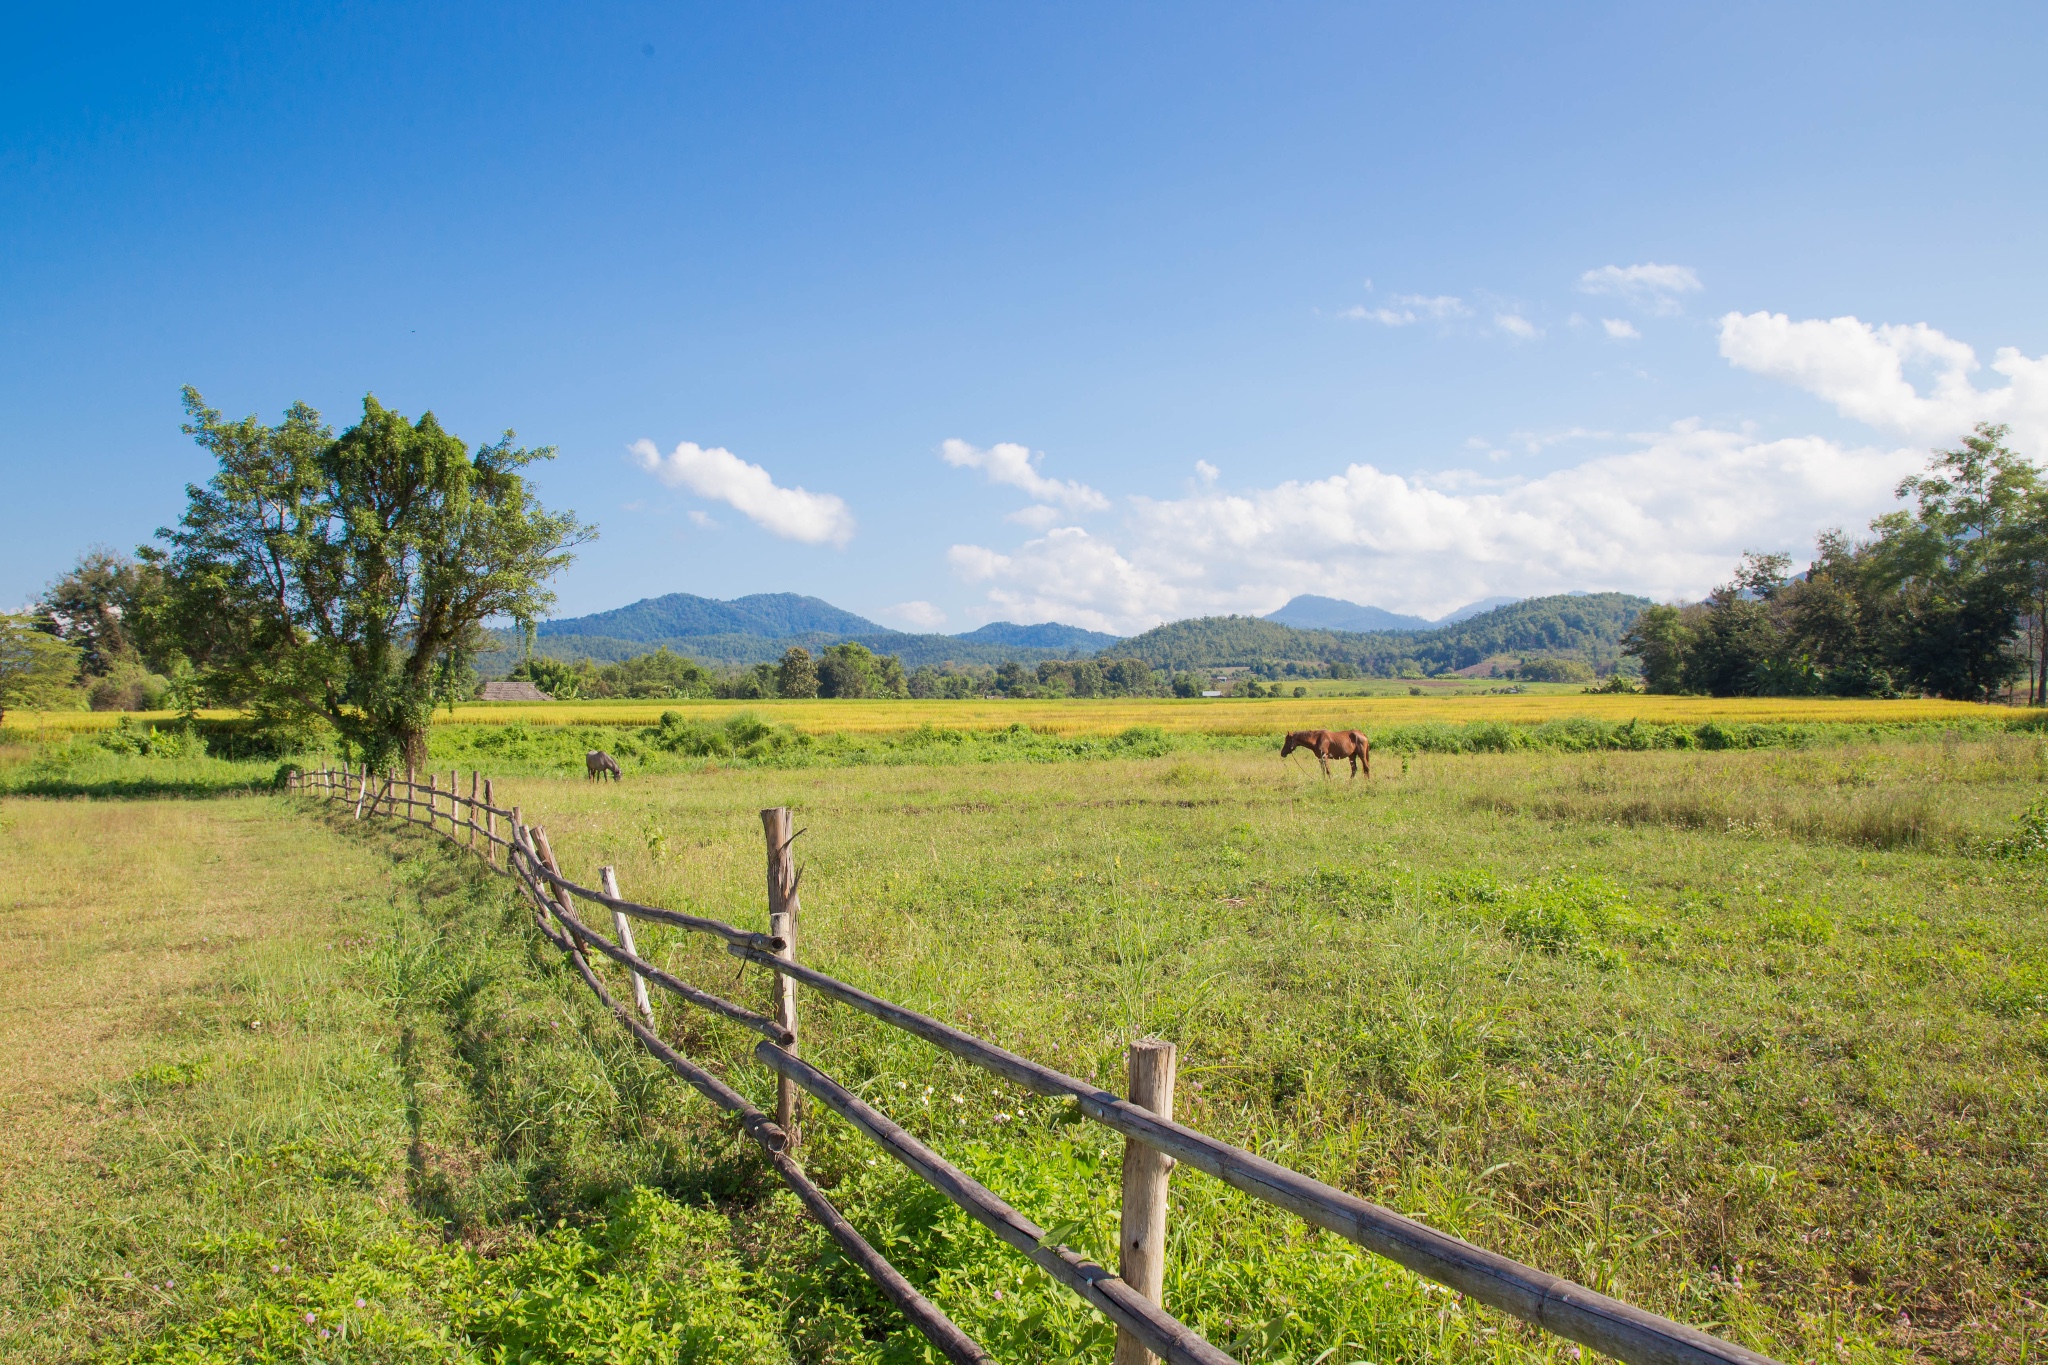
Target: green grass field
[[1755, 1038]]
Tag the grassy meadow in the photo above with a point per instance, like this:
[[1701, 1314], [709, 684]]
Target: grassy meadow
[[1755, 1037]]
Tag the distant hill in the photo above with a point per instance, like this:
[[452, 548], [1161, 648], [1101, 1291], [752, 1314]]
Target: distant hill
[[1581, 626], [682, 615], [1049, 635], [1472, 609], [1310, 612]]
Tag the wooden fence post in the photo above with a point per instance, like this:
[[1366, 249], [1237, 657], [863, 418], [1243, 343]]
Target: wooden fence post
[[1141, 1246], [490, 825], [471, 821], [783, 909], [433, 803], [546, 851], [610, 880], [454, 803], [408, 791]]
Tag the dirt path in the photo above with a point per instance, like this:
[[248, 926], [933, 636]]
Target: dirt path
[[119, 924]]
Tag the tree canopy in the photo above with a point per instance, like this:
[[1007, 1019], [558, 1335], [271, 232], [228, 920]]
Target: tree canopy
[[36, 668], [1946, 597], [340, 577]]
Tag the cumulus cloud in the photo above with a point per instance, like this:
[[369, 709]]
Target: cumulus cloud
[[1010, 463], [917, 615], [1517, 326], [1411, 308], [1648, 285], [1667, 517], [1621, 329], [717, 473], [1206, 472], [1867, 371]]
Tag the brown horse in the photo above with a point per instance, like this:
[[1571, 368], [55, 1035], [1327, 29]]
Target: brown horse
[[1329, 744]]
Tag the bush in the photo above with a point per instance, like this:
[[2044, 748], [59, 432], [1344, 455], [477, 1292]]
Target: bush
[[2030, 837], [743, 735]]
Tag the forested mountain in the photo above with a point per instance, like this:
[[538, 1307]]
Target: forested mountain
[[1048, 635], [1310, 612], [739, 650], [1585, 627], [760, 627], [682, 616]]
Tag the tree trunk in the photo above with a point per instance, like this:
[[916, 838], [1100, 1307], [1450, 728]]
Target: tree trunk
[[412, 745]]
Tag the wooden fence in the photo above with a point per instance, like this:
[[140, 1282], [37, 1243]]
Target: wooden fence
[[1154, 1143]]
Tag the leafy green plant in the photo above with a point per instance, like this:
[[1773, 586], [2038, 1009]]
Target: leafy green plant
[[2029, 838]]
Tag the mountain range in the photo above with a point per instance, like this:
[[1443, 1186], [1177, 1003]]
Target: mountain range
[[758, 628], [1312, 630]]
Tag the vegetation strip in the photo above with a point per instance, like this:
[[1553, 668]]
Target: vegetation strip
[[922, 1314], [1161, 1333]]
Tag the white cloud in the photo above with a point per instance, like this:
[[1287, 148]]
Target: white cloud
[[1037, 516], [1517, 326], [1206, 472], [1621, 329], [1410, 308], [1648, 285], [1864, 372], [701, 518], [717, 473], [1010, 463], [917, 615], [1667, 518]]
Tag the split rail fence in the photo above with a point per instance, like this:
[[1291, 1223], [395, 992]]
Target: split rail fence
[[1154, 1143]]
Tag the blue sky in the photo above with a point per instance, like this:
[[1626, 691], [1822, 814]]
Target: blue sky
[[1098, 313]]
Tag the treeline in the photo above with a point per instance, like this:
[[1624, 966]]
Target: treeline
[[845, 670], [96, 638], [850, 670], [1945, 599]]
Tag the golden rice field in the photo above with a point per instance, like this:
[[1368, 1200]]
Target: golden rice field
[[1208, 715]]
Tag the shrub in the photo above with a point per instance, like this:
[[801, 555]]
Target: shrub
[[2030, 835]]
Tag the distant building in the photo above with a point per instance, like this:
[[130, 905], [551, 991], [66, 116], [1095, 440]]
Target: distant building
[[1212, 694], [514, 691]]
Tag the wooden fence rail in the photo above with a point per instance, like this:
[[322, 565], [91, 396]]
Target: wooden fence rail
[[1130, 1298]]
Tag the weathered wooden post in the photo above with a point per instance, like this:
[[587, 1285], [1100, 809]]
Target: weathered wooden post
[[610, 880], [1141, 1246], [471, 822], [547, 856], [783, 909], [409, 774], [433, 802], [454, 802], [490, 825]]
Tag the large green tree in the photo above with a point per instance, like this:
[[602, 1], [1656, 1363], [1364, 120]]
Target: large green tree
[[339, 577], [37, 670], [101, 606], [1955, 566]]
